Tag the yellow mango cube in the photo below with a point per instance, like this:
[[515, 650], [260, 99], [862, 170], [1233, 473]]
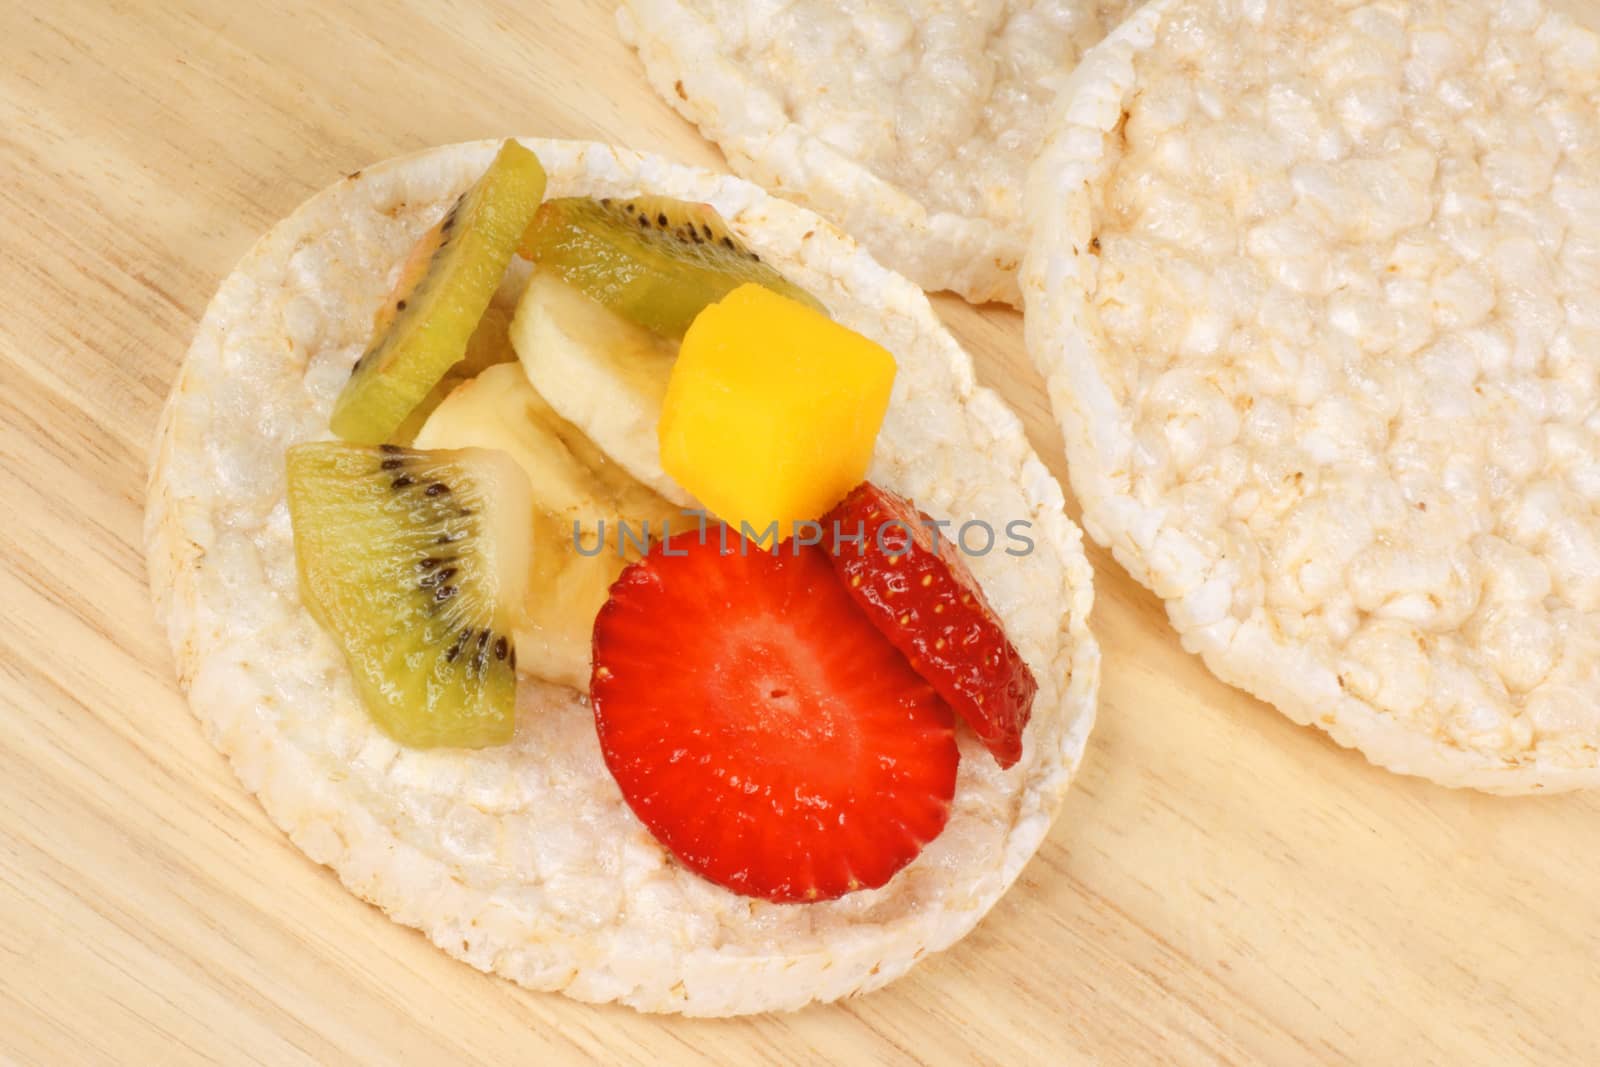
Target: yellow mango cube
[[772, 410]]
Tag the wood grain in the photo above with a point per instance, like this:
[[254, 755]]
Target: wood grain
[[1223, 886]]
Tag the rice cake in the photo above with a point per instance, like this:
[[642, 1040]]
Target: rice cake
[[911, 123], [1316, 290], [525, 860]]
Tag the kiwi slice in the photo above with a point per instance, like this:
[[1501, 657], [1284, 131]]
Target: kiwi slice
[[422, 332], [417, 563], [652, 259]]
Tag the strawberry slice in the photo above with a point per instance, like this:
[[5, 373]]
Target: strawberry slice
[[916, 589], [761, 727]]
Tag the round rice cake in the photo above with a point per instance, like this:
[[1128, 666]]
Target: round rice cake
[[1316, 290], [911, 123], [525, 860]]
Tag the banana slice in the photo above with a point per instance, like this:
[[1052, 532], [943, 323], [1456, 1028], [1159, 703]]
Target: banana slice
[[565, 593], [576, 488], [600, 372]]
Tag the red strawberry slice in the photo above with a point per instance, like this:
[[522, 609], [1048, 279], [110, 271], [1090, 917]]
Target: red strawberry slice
[[918, 592], [761, 727]]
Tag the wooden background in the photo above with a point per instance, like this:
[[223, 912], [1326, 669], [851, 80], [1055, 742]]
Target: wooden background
[[1222, 885]]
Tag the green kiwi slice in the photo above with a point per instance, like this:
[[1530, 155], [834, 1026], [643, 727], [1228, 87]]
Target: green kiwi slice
[[423, 330], [652, 259], [417, 564]]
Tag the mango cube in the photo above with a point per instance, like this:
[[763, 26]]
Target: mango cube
[[772, 410]]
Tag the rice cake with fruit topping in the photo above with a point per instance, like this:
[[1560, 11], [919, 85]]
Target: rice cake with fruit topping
[[911, 124], [524, 860], [1316, 290]]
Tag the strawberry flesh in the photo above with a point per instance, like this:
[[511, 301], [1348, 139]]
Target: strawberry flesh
[[914, 586], [761, 727]]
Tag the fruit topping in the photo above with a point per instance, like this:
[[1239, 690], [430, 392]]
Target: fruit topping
[[600, 372], [453, 274], [655, 260], [761, 727], [572, 482], [490, 345], [417, 563], [912, 583], [772, 410], [566, 590]]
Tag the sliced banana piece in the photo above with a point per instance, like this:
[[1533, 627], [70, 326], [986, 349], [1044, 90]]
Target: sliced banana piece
[[600, 372], [566, 591], [575, 488]]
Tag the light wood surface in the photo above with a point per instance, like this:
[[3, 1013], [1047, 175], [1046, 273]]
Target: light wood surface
[[1222, 885]]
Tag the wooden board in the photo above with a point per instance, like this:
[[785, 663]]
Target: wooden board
[[1222, 886]]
